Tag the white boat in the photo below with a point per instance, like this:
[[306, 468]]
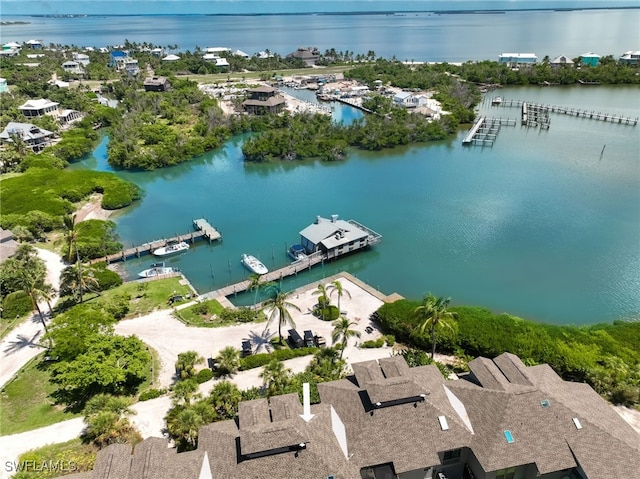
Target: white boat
[[254, 264], [171, 248], [157, 269]]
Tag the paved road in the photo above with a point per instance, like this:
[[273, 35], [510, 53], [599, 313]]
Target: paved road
[[22, 344]]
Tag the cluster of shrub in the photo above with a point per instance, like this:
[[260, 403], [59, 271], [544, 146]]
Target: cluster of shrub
[[607, 356]]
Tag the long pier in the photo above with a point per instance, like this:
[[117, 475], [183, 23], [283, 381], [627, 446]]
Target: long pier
[[485, 130], [563, 110], [203, 230], [289, 270]]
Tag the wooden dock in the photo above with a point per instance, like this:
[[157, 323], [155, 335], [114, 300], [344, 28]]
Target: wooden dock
[[562, 110], [203, 231], [289, 270], [485, 130]]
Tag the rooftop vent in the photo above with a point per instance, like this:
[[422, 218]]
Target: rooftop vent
[[577, 423], [508, 436], [545, 403], [444, 425], [334, 218]]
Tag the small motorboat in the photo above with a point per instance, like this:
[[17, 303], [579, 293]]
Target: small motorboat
[[172, 247], [297, 252], [157, 269], [254, 264]]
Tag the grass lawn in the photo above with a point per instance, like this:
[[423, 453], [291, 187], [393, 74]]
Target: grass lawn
[[25, 401], [6, 325], [204, 315], [71, 456], [147, 296]]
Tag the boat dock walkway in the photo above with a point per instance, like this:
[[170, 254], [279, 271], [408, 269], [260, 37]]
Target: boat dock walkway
[[204, 230], [289, 270], [563, 110], [485, 130]]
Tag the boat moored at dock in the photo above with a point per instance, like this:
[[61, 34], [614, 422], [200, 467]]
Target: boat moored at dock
[[157, 269], [172, 247], [254, 264]]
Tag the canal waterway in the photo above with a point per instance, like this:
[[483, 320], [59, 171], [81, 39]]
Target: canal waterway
[[543, 224]]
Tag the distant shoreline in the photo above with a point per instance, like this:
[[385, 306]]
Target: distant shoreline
[[355, 13]]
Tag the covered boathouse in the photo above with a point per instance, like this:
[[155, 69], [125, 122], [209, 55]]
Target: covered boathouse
[[336, 237]]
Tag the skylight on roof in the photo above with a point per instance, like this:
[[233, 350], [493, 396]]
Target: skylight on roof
[[577, 423], [508, 436], [545, 403], [444, 425]]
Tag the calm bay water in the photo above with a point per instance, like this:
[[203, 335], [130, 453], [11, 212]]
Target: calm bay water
[[539, 225], [411, 36]]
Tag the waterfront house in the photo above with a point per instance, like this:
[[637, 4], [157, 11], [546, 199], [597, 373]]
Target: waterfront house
[[590, 59], [34, 44], [171, 58], [309, 55], [214, 58], [405, 99], [156, 84], [515, 60], [561, 61], [502, 420], [335, 237], [130, 66], [34, 137], [67, 117], [630, 58], [240, 53], [3, 85], [35, 108], [157, 52], [263, 99]]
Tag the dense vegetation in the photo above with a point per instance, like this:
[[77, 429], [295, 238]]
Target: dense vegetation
[[607, 356], [38, 199]]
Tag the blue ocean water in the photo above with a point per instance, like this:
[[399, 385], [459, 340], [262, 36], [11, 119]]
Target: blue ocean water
[[423, 36], [539, 225]]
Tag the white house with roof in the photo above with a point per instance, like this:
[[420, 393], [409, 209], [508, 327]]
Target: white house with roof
[[630, 57], [214, 58], [81, 58], [34, 137], [335, 237], [35, 108], [171, 58], [217, 50], [35, 44], [73, 67], [240, 53], [405, 99], [561, 61]]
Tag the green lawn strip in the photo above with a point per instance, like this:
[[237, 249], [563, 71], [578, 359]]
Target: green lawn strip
[[154, 371], [7, 325], [61, 459], [26, 404], [203, 315], [147, 296]]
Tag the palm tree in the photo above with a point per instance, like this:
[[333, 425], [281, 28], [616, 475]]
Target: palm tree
[[106, 419], [37, 290], [186, 364], [185, 426], [254, 285], [184, 391], [225, 397], [342, 332], [433, 314], [336, 287], [77, 281], [71, 236], [323, 301], [228, 361], [278, 307], [275, 376]]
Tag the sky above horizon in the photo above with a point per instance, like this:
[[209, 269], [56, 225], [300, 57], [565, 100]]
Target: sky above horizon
[[124, 7]]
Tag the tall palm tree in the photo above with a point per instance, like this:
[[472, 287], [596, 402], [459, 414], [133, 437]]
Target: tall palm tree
[[275, 376], [278, 307], [254, 285], [225, 397], [186, 425], [321, 291], [433, 314], [78, 281], [186, 364], [336, 287], [342, 332], [37, 290], [228, 361], [71, 237]]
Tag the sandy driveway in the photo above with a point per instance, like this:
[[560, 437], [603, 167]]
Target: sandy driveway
[[169, 337], [21, 344]]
